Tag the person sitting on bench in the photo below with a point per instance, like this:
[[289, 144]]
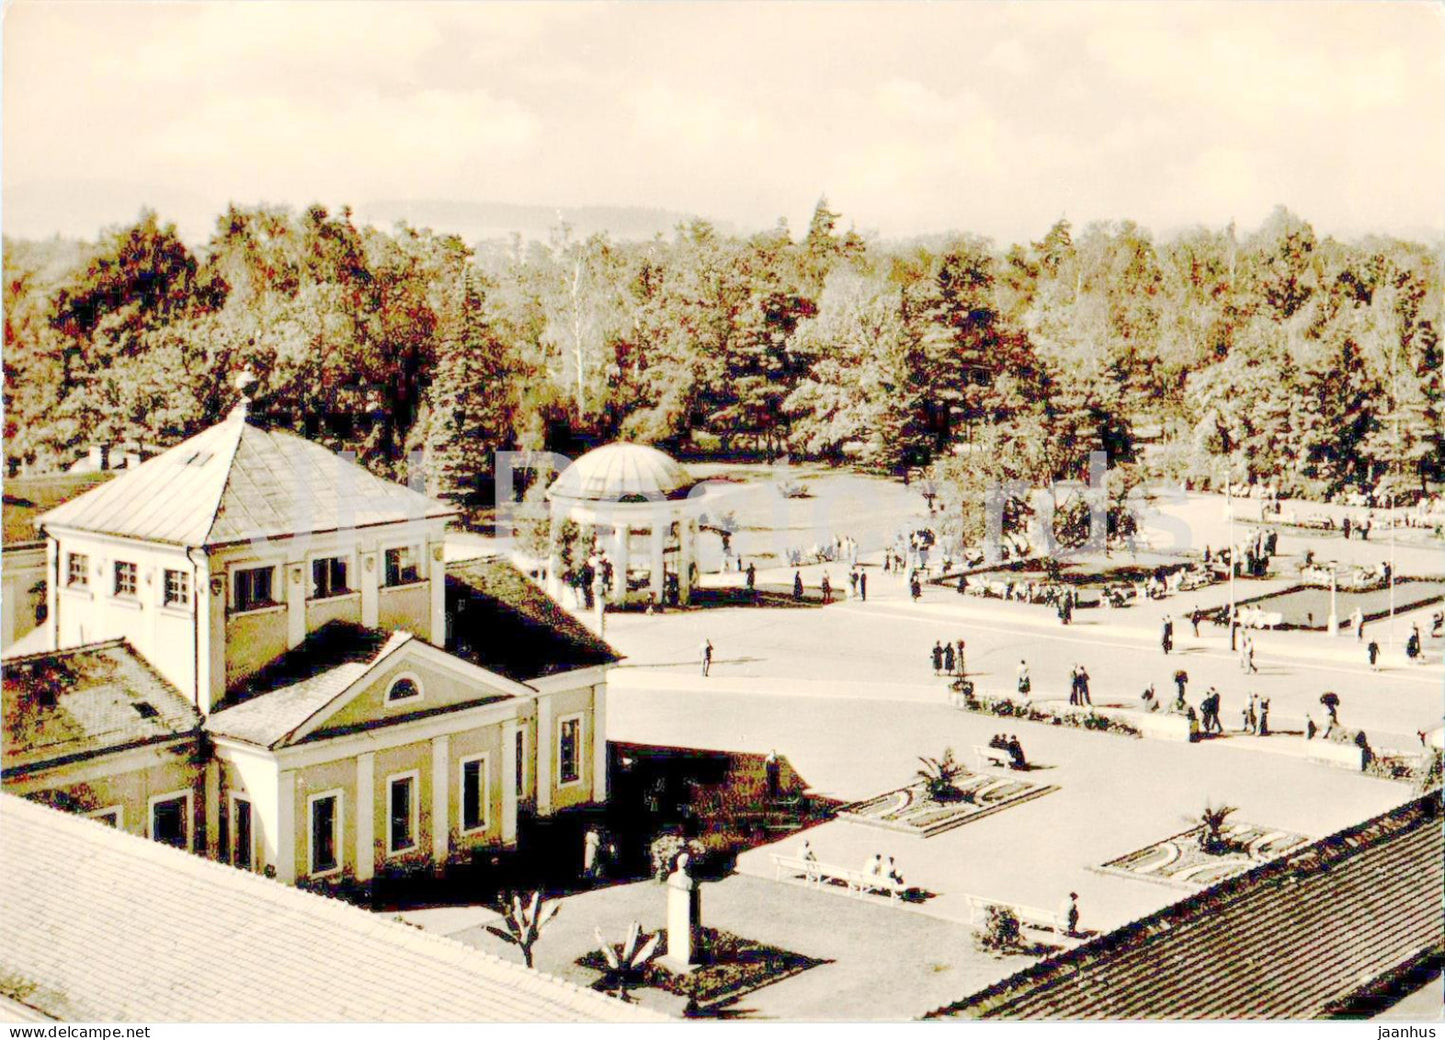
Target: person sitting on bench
[[1016, 752]]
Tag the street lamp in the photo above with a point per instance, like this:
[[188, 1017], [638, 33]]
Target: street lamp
[[1334, 624], [1233, 548]]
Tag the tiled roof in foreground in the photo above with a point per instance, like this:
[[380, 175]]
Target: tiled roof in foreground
[[102, 926], [1298, 937]]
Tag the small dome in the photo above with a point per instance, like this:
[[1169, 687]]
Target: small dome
[[622, 473]]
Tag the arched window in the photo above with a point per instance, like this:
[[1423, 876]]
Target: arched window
[[405, 688]]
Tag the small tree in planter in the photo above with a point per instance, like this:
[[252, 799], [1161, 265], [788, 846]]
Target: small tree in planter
[[1211, 836], [940, 777], [1000, 931], [524, 923], [625, 962]]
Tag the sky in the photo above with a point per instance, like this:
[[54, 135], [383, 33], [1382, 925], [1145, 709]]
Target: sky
[[910, 117]]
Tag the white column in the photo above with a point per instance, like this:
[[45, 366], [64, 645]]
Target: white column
[[284, 855], [686, 540], [599, 743], [543, 755], [370, 588], [295, 603], [659, 533], [438, 634], [509, 782], [213, 810], [440, 818], [365, 815], [621, 560]]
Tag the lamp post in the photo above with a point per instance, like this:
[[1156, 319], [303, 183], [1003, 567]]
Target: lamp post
[[1334, 624], [1233, 550]]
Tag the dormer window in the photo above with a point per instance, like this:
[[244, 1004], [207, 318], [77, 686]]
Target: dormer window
[[328, 577], [254, 588], [403, 565]]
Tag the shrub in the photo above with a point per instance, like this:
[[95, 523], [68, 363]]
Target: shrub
[[665, 849], [1000, 930]]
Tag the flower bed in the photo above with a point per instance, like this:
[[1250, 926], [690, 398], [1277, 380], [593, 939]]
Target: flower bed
[[731, 967], [1180, 861], [1004, 708], [911, 810]]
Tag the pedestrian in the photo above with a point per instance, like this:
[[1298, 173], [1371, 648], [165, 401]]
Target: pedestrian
[[1310, 728], [1015, 752], [1069, 915], [1074, 685], [1181, 679], [826, 587], [1345, 528], [960, 657], [1194, 617], [1374, 651], [1264, 716], [948, 659], [1025, 684], [706, 653], [1412, 646], [798, 585], [853, 583], [772, 774], [863, 586], [1166, 634], [1084, 687], [752, 581], [915, 587], [1249, 665], [1358, 620], [937, 657], [1331, 701]]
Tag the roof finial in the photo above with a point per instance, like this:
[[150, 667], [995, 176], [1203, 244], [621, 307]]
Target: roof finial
[[246, 385]]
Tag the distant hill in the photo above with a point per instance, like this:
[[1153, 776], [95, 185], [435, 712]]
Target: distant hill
[[476, 221]]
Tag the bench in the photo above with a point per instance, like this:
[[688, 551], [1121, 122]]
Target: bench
[[1028, 917], [992, 756], [858, 882]]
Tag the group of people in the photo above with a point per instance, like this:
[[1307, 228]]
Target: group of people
[[1009, 744], [1079, 686], [947, 660]]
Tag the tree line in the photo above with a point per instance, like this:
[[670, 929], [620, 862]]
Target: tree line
[[1276, 355]]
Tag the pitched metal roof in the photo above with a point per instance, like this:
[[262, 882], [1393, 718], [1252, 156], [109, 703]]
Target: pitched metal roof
[[71, 704], [499, 619], [238, 481], [1299, 937], [275, 702], [26, 498], [101, 926]]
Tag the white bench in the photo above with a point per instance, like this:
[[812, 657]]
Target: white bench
[[1028, 917], [992, 756], [858, 882]]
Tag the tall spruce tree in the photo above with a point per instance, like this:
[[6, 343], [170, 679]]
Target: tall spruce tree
[[469, 401]]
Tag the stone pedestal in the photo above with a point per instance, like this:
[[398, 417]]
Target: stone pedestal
[[684, 920]]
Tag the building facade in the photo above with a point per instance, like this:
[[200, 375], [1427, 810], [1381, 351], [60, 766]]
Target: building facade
[[338, 703]]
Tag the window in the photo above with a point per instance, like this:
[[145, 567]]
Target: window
[[569, 750], [178, 589], [243, 846], [171, 819], [328, 577], [474, 794], [77, 571], [401, 812], [110, 817], [325, 833], [124, 578], [401, 566], [405, 688], [253, 588]]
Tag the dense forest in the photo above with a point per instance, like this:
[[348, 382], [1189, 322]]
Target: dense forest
[[1278, 355]]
